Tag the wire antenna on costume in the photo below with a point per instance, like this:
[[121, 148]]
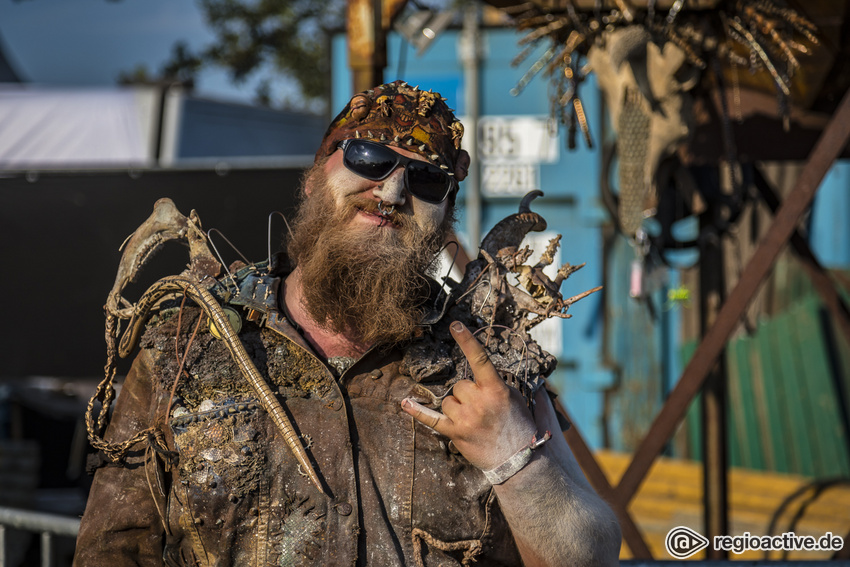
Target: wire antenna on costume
[[445, 279], [218, 254], [269, 238], [454, 258]]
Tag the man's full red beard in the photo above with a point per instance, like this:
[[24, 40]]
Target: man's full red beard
[[368, 282]]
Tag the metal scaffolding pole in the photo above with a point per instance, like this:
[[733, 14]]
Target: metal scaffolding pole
[[714, 454]]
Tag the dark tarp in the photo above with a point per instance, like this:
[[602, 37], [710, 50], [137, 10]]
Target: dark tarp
[[61, 234], [7, 72]]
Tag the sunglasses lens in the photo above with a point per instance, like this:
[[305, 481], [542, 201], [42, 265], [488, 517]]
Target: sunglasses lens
[[371, 161], [427, 182], [375, 162]]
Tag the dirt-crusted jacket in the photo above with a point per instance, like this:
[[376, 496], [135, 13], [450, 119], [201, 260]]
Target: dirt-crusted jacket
[[233, 494]]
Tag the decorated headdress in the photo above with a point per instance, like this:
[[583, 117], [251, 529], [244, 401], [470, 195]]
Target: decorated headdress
[[397, 114]]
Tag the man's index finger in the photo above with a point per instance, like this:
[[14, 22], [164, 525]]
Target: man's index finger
[[483, 370]]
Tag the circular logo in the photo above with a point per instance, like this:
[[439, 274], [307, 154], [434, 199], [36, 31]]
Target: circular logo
[[682, 542]]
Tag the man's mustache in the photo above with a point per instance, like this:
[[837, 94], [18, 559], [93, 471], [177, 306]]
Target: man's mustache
[[370, 206]]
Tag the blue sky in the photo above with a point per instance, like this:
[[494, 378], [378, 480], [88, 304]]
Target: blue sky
[[89, 42]]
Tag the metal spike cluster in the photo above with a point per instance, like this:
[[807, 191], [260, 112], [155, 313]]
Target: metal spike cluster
[[761, 36]]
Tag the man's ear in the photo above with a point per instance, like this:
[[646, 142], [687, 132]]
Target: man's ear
[[312, 173], [462, 165], [308, 185]]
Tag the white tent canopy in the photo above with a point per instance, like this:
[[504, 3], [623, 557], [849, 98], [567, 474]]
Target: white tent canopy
[[76, 128], [143, 126]]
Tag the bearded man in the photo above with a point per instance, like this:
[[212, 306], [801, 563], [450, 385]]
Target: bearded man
[[384, 454]]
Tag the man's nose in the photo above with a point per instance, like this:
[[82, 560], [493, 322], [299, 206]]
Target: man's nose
[[391, 190]]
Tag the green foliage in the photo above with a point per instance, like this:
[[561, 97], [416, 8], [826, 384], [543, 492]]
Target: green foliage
[[183, 66], [138, 75], [252, 37], [289, 34]]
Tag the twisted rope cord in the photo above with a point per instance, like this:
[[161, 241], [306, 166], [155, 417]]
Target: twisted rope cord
[[472, 547], [105, 393]]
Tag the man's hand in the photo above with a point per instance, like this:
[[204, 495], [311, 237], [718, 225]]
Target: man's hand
[[555, 517], [487, 420]]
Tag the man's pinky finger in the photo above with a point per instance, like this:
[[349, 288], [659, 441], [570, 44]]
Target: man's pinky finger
[[426, 416]]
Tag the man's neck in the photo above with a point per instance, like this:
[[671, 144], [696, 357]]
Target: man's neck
[[327, 343]]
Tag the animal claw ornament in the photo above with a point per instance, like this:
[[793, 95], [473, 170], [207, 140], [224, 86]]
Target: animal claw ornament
[[536, 296], [506, 298], [166, 223]]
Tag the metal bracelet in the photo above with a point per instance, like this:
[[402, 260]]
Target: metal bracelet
[[516, 462]]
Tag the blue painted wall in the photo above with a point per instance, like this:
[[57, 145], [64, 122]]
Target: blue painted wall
[[829, 226]]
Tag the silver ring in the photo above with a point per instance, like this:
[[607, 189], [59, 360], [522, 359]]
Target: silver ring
[[383, 211]]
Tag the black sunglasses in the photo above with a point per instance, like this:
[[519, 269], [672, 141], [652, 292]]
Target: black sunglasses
[[375, 162]]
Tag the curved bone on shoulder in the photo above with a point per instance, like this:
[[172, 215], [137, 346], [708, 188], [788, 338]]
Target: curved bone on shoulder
[[510, 231], [165, 223]]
